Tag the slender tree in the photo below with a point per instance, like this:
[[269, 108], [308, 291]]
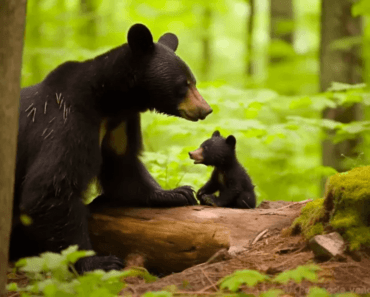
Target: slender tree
[[206, 41], [89, 26], [250, 27], [280, 11], [35, 41], [339, 65], [12, 21]]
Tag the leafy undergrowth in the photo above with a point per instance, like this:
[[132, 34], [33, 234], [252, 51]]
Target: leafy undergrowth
[[275, 266], [53, 275]]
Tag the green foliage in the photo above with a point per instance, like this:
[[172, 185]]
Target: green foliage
[[53, 275], [234, 281], [318, 292], [240, 277], [278, 134], [309, 221], [306, 272]]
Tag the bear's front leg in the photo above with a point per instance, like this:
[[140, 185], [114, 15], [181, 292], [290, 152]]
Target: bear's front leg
[[58, 222], [126, 182]]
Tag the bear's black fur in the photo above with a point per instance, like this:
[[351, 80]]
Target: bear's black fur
[[81, 126], [228, 177]]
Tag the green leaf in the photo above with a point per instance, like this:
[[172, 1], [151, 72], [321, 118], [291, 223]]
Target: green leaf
[[303, 102], [318, 292], [74, 256], [346, 43], [32, 264], [240, 277], [338, 86], [361, 7], [307, 272], [12, 287]]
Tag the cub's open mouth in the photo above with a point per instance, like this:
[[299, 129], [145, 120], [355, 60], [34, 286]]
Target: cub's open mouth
[[197, 156]]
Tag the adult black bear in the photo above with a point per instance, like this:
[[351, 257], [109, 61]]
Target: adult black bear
[[79, 129], [229, 177]]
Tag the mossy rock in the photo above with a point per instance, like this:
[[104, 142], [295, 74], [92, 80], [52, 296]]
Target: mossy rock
[[345, 208]]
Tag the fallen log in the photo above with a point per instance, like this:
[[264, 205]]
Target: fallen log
[[173, 239]]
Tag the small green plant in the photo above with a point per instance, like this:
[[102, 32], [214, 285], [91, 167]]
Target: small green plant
[[308, 272], [252, 278], [240, 277], [53, 274]]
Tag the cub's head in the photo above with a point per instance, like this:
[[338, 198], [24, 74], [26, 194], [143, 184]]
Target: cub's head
[[167, 81], [216, 151]]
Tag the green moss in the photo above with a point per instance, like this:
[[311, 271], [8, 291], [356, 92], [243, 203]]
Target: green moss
[[316, 229], [311, 214], [345, 208]]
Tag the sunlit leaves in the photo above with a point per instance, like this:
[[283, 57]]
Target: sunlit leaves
[[240, 277], [53, 275], [338, 86], [361, 7], [307, 272]]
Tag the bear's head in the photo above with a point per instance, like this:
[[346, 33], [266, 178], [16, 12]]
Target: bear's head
[[165, 79], [216, 151]]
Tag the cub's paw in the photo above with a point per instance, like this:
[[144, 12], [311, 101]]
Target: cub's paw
[[186, 195], [207, 200], [106, 263], [200, 193]]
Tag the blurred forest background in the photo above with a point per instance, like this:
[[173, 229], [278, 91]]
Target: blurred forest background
[[286, 77]]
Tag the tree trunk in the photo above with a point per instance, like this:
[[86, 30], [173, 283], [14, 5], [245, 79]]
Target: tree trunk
[[280, 11], [339, 65], [89, 27], [206, 41], [35, 41], [12, 20], [173, 239], [250, 27]]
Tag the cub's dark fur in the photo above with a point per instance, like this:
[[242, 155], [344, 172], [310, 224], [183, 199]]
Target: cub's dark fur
[[79, 129], [229, 177]]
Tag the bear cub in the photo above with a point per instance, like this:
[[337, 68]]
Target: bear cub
[[228, 177]]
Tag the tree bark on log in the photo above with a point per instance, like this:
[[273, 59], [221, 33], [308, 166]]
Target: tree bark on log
[[173, 239]]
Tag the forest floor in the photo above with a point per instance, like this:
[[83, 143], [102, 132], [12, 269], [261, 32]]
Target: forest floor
[[272, 254]]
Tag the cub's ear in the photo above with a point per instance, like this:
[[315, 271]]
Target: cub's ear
[[170, 40], [230, 140], [216, 134], [139, 38]]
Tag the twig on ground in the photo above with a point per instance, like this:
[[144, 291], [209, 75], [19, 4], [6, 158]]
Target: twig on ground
[[258, 237]]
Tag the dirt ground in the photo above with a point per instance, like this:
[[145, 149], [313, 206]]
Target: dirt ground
[[273, 253]]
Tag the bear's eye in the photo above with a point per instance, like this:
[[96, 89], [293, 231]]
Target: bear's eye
[[182, 90]]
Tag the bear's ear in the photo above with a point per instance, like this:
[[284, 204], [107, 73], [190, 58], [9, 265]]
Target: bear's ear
[[170, 40], [216, 134], [230, 140], [139, 39]]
